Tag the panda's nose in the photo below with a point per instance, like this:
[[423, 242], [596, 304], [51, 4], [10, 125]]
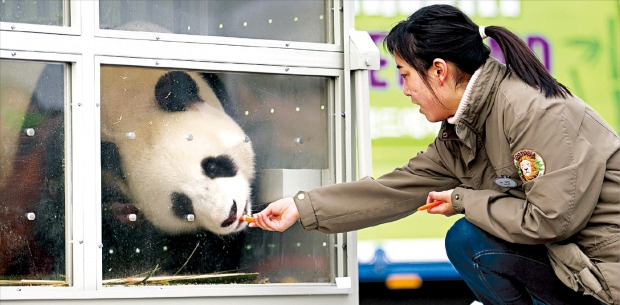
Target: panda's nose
[[232, 216]]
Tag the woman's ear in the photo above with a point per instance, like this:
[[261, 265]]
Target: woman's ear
[[439, 69]]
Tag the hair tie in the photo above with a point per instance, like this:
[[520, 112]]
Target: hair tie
[[482, 33]]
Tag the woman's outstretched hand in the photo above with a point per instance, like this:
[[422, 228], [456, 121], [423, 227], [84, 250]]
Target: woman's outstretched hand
[[277, 216]]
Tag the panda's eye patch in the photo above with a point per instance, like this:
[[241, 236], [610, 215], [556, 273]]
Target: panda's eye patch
[[175, 91], [220, 166]]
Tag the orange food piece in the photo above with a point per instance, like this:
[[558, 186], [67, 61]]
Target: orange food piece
[[430, 205], [246, 218]]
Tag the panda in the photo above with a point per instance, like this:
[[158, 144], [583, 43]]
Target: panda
[[179, 164], [177, 175], [181, 156]]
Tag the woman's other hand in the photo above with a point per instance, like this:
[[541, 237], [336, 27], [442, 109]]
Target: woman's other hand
[[446, 207]]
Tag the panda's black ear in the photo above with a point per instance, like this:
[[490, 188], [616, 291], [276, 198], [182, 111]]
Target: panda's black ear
[[175, 91]]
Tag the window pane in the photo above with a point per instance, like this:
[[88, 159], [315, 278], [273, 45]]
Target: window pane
[[32, 186], [301, 20], [45, 12], [185, 154]]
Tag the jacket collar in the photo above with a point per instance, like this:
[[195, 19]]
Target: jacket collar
[[468, 129]]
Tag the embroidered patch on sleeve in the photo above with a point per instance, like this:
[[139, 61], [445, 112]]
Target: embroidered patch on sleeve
[[529, 164]]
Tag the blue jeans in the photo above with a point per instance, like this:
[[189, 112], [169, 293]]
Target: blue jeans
[[499, 272]]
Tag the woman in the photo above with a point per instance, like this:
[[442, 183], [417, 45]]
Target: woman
[[535, 171]]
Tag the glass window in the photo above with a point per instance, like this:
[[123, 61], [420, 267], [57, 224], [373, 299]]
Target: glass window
[[301, 20], [186, 153], [32, 184], [48, 12]]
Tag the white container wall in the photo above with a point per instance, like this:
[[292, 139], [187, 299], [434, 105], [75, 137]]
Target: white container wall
[[136, 133]]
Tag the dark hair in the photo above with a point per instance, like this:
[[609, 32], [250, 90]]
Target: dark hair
[[443, 31]]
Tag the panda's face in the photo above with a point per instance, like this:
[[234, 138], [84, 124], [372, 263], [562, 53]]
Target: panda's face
[[185, 163]]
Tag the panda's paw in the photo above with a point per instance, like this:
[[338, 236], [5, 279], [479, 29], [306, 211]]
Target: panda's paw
[[126, 213]]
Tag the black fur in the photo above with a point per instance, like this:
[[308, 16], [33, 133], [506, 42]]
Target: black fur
[[136, 248], [218, 87], [181, 205], [220, 166], [175, 91], [111, 160]]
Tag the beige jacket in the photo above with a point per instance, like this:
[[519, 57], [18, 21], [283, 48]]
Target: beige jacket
[[559, 165]]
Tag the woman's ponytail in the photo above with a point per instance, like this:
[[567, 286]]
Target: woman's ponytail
[[520, 59]]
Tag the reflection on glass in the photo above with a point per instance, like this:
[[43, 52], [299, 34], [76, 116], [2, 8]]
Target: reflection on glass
[[48, 12], [283, 111], [183, 157], [300, 20], [32, 186]]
